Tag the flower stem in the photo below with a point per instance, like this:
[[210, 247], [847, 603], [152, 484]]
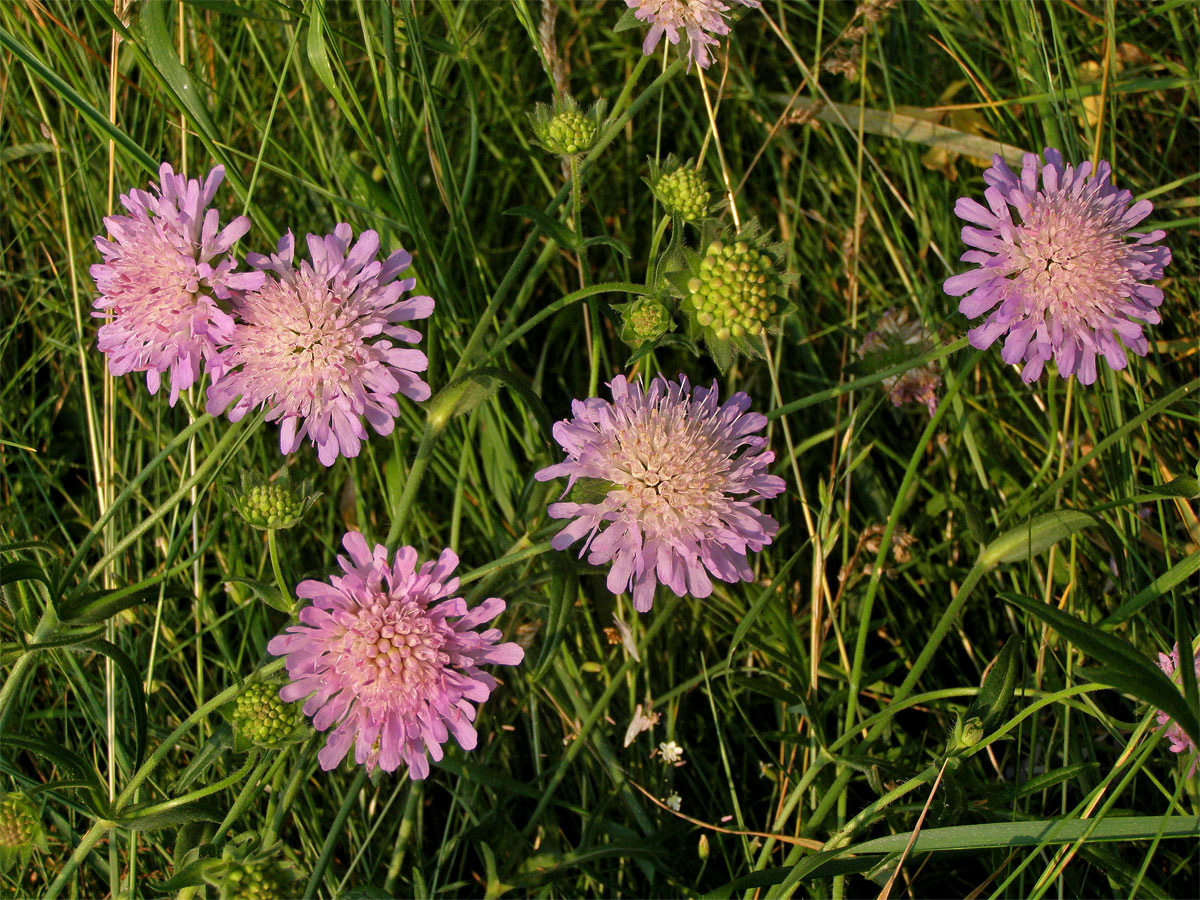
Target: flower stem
[[273, 550], [335, 831], [98, 830]]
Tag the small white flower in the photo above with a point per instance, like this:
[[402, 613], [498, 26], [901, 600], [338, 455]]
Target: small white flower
[[673, 801], [671, 752]]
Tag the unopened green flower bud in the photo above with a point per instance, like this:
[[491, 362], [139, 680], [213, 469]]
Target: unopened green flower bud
[[684, 192], [266, 880], [272, 504], [260, 716], [646, 319], [565, 129], [734, 290], [18, 821]]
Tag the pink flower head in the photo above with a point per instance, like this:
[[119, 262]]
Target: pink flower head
[[698, 19], [165, 267], [1070, 280], [315, 344], [673, 482], [1178, 738], [381, 662]]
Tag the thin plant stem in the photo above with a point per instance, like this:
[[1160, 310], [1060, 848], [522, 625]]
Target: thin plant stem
[[335, 832]]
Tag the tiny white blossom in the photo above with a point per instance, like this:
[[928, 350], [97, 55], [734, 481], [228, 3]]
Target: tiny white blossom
[[673, 801], [671, 752]]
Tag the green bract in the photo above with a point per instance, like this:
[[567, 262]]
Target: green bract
[[645, 319], [272, 504], [566, 130]]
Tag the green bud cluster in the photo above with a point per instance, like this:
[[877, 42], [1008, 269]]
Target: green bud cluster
[[18, 821], [261, 717], [569, 132], [733, 293], [257, 881], [271, 504], [684, 193], [648, 320]]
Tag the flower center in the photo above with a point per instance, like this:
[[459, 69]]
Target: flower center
[[666, 466], [1073, 258], [303, 336], [390, 653]]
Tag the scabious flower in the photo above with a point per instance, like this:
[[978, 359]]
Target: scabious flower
[[1178, 739], [664, 471], [698, 19], [919, 384], [389, 660], [1070, 280], [315, 344], [166, 269]]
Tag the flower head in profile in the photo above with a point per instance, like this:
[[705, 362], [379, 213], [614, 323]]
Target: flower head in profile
[[389, 660], [1066, 278], [166, 268], [1177, 738], [316, 344], [699, 20], [662, 482], [895, 332]]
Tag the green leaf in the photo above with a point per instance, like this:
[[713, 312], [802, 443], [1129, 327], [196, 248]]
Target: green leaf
[[1122, 666], [99, 606], [80, 769], [74, 99], [154, 816], [1185, 486], [998, 686], [268, 594], [1033, 537], [552, 228], [161, 50], [1164, 583], [564, 590], [133, 682]]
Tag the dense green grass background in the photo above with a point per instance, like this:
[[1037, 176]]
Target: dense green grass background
[[805, 726]]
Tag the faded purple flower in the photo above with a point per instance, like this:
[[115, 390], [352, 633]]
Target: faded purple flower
[[665, 469], [1178, 739], [1064, 281], [919, 384], [383, 665], [698, 19], [165, 267], [315, 344]]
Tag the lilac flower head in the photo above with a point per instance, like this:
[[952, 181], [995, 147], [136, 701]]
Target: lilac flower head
[[1069, 280], [918, 385], [698, 19], [165, 267], [1178, 738], [389, 660], [315, 344], [673, 483]]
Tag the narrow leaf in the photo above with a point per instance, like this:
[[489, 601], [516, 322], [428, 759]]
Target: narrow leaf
[[1033, 537], [1122, 667]]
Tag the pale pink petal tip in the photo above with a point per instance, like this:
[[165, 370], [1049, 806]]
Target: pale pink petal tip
[[699, 20], [1058, 268], [389, 662], [668, 479], [319, 344], [165, 273]]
